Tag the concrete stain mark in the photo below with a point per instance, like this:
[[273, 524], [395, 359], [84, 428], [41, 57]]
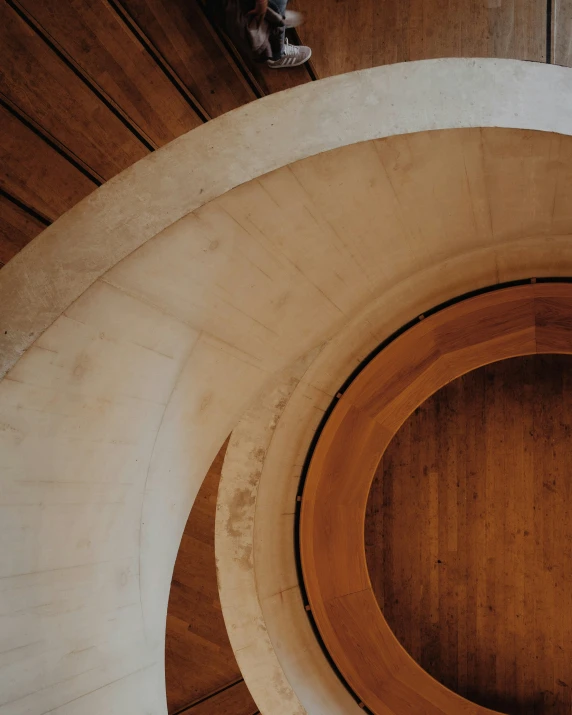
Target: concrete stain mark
[[11, 431], [244, 558], [81, 650], [243, 467], [82, 366], [206, 401], [283, 689], [258, 454], [240, 506]]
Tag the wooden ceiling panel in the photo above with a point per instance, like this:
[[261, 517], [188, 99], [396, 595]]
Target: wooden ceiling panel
[[561, 32], [96, 39], [17, 228], [45, 88], [35, 173], [377, 32], [518, 29], [179, 30]]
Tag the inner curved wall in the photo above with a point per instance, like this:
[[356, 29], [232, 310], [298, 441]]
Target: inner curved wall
[[265, 459], [121, 405]]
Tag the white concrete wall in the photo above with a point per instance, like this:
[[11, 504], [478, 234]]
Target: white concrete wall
[[260, 595], [170, 311]]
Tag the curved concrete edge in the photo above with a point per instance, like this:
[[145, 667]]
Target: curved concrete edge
[[236, 501], [258, 582], [59, 265]]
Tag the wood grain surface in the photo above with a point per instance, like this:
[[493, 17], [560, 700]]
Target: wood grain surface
[[347, 36], [562, 32], [469, 535], [46, 89], [114, 61], [35, 173], [182, 36], [233, 700], [199, 659], [498, 325]]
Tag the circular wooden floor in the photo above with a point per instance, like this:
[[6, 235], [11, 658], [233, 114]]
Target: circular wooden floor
[[494, 326], [469, 535]]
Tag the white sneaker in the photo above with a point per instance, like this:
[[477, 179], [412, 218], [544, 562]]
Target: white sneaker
[[294, 55]]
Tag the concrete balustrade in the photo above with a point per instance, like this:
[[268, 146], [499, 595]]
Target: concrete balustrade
[[247, 266]]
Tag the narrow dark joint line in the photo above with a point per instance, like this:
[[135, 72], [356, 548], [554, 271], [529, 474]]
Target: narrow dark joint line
[[165, 67], [28, 209], [57, 146], [189, 707], [549, 34], [88, 82], [232, 53]]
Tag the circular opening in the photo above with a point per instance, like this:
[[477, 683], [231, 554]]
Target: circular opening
[[468, 535], [525, 320]]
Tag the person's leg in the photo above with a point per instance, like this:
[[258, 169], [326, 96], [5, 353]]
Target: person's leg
[[278, 6], [278, 38], [284, 55]]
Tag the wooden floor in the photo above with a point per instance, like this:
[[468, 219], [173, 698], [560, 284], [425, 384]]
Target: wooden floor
[[469, 535], [202, 674], [89, 87]]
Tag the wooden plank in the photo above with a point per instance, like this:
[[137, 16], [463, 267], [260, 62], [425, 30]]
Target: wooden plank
[[562, 32], [34, 173], [17, 228], [518, 29], [182, 35], [497, 440], [339, 33], [553, 311], [199, 659], [95, 38], [42, 86], [378, 32], [235, 700]]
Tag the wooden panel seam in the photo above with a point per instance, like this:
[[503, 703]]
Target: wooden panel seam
[[24, 207], [189, 708], [550, 31], [165, 67], [64, 151], [231, 53], [103, 97]]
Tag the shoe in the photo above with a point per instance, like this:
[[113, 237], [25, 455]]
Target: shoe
[[294, 55], [293, 18]]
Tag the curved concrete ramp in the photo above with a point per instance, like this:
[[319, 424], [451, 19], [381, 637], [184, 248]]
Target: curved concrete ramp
[[140, 327]]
